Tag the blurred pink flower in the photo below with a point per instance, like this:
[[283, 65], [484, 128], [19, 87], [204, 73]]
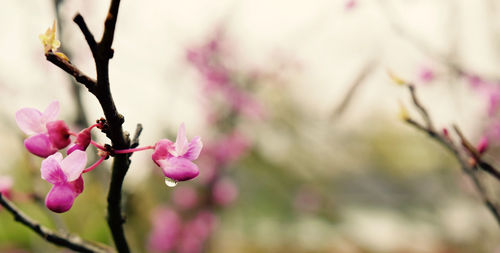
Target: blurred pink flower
[[482, 146], [6, 183], [47, 134], [350, 4], [229, 148], [426, 74], [66, 177], [166, 230], [185, 197], [175, 159], [196, 232], [224, 192]]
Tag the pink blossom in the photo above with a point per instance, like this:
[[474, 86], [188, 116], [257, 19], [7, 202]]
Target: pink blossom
[[185, 197], [482, 146], [196, 232], [6, 186], [66, 177], [175, 159], [224, 192], [82, 141], [350, 4], [229, 149], [166, 230], [46, 134], [426, 74]]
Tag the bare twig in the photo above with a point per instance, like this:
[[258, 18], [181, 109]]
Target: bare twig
[[364, 73], [72, 70], [469, 168], [135, 140], [89, 37], [65, 240]]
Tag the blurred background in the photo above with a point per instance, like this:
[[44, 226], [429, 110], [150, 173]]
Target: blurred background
[[303, 147]]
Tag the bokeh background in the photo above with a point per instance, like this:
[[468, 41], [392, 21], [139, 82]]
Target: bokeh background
[[304, 150]]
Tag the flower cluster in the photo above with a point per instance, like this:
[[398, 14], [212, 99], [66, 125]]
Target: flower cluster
[[47, 135]]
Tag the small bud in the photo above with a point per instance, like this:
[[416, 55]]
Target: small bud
[[483, 144], [403, 112], [395, 78], [446, 133]]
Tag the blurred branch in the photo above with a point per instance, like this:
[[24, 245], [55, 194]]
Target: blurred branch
[[69, 68], [470, 163], [65, 240], [365, 72]]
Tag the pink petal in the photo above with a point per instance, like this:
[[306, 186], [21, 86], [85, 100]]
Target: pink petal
[[51, 112], [58, 134], [74, 164], [60, 198], [30, 121], [40, 145], [181, 142], [179, 169], [194, 149], [162, 150], [51, 169], [166, 230], [77, 185]]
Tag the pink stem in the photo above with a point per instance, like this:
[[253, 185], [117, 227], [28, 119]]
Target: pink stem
[[131, 150], [97, 145], [93, 166]]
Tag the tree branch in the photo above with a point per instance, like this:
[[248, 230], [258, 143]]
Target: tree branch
[[65, 240], [72, 70], [89, 37], [470, 168]]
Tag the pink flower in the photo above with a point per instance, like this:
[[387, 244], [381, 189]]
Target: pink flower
[[483, 144], [185, 197], [5, 185], [66, 177], [224, 192], [82, 141], [175, 159], [166, 230], [47, 134], [426, 74], [229, 149], [350, 4]]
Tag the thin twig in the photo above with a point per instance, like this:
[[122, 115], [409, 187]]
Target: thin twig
[[89, 37], [135, 140], [65, 240], [470, 169], [72, 70]]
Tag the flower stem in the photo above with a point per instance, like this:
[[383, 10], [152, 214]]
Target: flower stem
[[97, 145], [93, 166], [131, 150]]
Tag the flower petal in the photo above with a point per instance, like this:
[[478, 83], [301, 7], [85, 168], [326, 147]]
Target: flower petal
[[77, 185], [51, 112], [181, 142], [161, 152], [179, 169], [60, 198], [51, 169], [30, 121], [40, 145], [58, 134], [194, 149], [74, 164]]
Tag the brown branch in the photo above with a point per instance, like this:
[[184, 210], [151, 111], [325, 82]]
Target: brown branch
[[469, 168], [89, 37], [72, 70], [65, 240], [365, 72]]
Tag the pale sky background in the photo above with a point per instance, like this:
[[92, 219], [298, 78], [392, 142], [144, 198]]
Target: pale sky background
[[153, 85]]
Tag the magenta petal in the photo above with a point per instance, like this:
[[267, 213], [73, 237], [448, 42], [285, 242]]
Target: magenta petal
[[161, 150], [194, 149], [51, 112], [60, 198], [179, 169], [181, 142], [30, 121], [74, 164], [40, 145], [51, 169], [58, 134], [77, 185]]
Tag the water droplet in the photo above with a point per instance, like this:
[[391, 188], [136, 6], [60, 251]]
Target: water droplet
[[170, 182]]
